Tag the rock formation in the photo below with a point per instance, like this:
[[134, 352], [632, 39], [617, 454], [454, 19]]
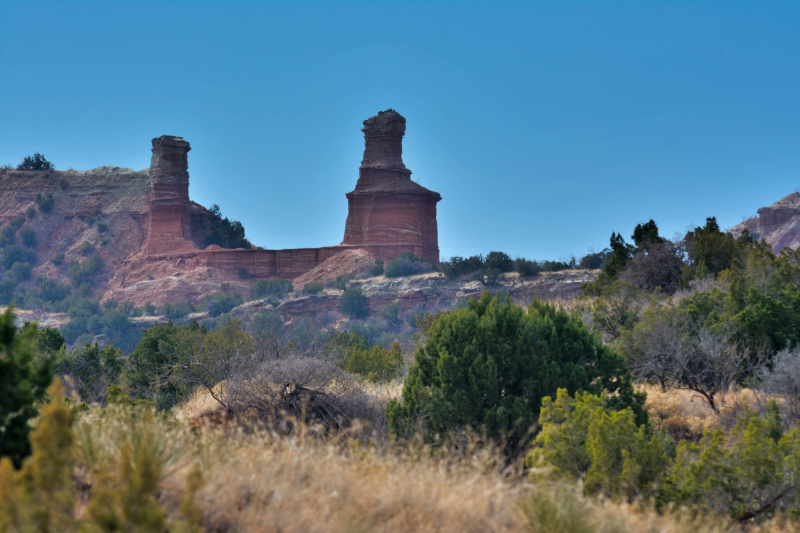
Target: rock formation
[[387, 212], [778, 224]]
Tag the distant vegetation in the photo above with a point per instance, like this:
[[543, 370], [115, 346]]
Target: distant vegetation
[[222, 231], [35, 162]]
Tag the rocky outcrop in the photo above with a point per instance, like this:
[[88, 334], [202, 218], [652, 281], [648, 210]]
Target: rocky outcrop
[[387, 212], [778, 224]]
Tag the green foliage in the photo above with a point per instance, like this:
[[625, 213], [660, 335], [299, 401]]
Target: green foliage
[[489, 366], [715, 248], [459, 266], [23, 382], [102, 227], [374, 363], [224, 232], [595, 260], [86, 248], [273, 287], [746, 474], [377, 268], [615, 310], [313, 287], [647, 233], [406, 264], [499, 261], [222, 302], [30, 212], [340, 283], [353, 303], [49, 341], [582, 438], [28, 236], [391, 314], [79, 271], [92, 370], [148, 370], [174, 311], [35, 162], [526, 267], [58, 259], [493, 275], [16, 254], [45, 202]]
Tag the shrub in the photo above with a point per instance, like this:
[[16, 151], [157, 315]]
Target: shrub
[[16, 254], [526, 267], [353, 303], [273, 287], [58, 259], [92, 370], [80, 271], [17, 222], [175, 311], [242, 273], [222, 302], [223, 232], [102, 227], [407, 264], [500, 261], [340, 283], [391, 314], [149, 309], [8, 235], [30, 212], [51, 290], [493, 275], [582, 439], [375, 364], [35, 162], [45, 202], [377, 268], [489, 365], [86, 248], [458, 266], [595, 260], [23, 383], [313, 287], [744, 475], [28, 236], [20, 271]]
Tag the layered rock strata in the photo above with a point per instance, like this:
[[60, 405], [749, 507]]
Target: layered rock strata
[[387, 212], [778, 224]]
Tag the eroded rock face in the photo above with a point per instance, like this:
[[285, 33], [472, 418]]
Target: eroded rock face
[[387, 212], [778, 224], [170, 225]]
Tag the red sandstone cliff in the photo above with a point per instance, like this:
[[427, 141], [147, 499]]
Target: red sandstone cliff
[[778, 224]]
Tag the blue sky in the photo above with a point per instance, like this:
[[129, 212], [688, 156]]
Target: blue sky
[[545, 126]]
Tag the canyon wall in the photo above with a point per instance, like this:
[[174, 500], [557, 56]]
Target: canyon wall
[[778, 224]]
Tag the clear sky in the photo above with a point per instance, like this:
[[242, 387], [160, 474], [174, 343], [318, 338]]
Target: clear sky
[[545, 126]]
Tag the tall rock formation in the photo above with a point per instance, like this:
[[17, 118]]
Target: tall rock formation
[[387, 212], [169, 223], [778, 224]]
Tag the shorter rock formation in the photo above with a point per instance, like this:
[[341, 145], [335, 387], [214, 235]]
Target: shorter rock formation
[[778, 224]]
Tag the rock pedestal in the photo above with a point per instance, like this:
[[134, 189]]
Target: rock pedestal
[[170, 229], [387, 212]]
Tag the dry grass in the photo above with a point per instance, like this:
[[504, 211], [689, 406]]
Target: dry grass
[[686, 416]]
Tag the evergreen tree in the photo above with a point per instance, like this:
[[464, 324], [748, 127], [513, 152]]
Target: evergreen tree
[[23, 382], [489, 365]]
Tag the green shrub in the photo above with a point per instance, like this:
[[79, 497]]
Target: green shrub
[[222, 302], [174, 311], [8, 236], [313, 287], [92, 370], [15, 253], [376, 363], [80, 271], [45, 202], [340, 283], [377, 268], [102, 227], [391, 314], [353, 303], [58, 259], [17, 222], [489, 365], [223, 232], [30, 212], [582, 439], [23, 383], [745, 474], [500, 261], [50, 290], [407, 264], [86, 248], [273, 287], [28, 236], [242, 273], [458, 266], [493, 275], [526, 267], [35, 162]]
